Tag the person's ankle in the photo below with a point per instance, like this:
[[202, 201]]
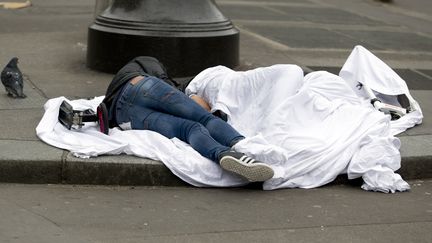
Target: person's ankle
[[225, 153], [235, 141]]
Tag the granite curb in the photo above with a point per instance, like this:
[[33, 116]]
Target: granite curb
[[38, 163]]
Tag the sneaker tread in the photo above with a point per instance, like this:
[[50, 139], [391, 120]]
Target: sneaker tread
[[252, 171]]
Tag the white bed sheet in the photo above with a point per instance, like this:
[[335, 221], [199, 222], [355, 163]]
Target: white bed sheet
[[310, 129]]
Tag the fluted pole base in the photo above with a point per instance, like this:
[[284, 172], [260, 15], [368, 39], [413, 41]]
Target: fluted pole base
[[186, 36]]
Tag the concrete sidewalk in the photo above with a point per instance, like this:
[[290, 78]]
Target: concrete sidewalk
[[50, 40]]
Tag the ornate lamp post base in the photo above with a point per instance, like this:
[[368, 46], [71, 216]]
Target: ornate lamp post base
[[187, 36]]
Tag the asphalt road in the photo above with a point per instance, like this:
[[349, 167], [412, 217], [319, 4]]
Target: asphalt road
[[337, 213]]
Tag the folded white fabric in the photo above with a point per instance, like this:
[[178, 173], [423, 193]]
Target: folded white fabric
[[88, 141], [365, 68], [308, 128]]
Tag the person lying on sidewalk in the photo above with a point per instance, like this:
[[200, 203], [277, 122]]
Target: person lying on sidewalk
[[142, 96]]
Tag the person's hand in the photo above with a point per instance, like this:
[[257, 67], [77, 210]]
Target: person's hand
[[200, 101]]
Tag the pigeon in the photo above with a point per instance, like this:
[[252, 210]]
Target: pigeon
[[12, 79]]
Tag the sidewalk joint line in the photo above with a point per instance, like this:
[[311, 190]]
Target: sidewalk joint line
[[421, 73], [276, 45], [27, 78], [241, 3], [20, 139], [38, 214]]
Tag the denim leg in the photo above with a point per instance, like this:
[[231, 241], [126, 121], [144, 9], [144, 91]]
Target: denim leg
[[162, 97], [141, 117]]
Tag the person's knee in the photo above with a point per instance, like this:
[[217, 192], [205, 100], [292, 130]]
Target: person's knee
[[207, 118], [196, 129]]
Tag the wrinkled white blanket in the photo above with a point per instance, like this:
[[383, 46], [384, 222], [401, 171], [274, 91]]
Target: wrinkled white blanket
[[308, 128]]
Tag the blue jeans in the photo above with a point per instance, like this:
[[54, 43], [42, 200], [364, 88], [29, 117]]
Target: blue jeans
[[152, 104]]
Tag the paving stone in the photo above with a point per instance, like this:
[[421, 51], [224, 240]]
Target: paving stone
[[256, 54], [58, 66], [20, 124], [325, 16], [251, 13], [34, 19], [297, 37], [386, 40], [34, 99], [427, 72], [414, 80]]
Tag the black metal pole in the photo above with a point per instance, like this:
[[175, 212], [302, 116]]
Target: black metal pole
[[186, 35]]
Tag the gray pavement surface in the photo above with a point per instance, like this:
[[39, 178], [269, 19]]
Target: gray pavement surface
[[50, 39], [337, 213]]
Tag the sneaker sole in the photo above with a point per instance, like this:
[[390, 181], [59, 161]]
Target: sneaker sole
[[252, 173]]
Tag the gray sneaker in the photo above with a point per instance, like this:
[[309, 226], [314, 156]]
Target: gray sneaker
[[242, 165]]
